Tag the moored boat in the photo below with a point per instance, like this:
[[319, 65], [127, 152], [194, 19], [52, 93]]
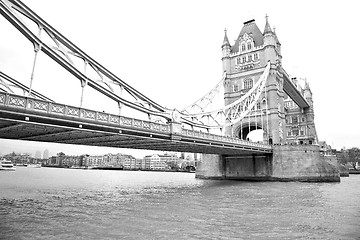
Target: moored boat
[[354, 171], [7, 165]]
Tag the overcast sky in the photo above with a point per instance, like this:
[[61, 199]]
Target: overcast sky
[[171, 52]]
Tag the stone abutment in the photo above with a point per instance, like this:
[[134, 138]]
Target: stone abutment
[[286, 163]]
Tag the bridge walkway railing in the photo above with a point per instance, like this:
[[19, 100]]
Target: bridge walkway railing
[[56, 109]]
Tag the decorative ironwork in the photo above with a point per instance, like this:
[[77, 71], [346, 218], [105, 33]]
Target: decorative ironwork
[[73, 111], [165, 128], [126, 121], [201, 104], [2, 98], [17, 101], [103, 117], [137, 123], [156, 127], [44, 106], [57, 108], [114, 119], [146, 125], [89, 114], [232, 113]]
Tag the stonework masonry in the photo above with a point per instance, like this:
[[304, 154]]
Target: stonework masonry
[[333, 160], [302, 163], [287, 163], [211, 167]]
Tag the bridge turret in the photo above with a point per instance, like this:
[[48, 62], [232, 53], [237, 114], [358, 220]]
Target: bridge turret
[[308, 93], [270, 44], [278, 46], [226, 49], [309, 112], [269, 35]]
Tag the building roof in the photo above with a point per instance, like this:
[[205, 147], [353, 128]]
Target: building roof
[[252, 29]]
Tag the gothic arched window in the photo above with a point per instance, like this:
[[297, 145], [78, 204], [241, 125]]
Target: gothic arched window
[[243, 47], [248, 83], [249, 46]]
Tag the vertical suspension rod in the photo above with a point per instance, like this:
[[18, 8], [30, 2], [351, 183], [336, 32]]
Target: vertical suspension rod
[[266, 111], [37, 48], [262, 119], [249, 120], [241, 130], [120, 105], [149, 115], [83, 84], [255, 117]]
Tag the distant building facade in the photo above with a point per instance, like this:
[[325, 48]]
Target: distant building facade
[[160, 162]]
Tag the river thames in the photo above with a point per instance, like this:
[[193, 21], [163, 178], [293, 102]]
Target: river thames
[[51, 203]]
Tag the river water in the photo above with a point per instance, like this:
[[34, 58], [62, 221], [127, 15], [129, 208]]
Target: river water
[[51, 203]]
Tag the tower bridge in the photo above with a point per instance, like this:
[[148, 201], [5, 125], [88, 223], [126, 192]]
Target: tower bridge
[[258, 94]]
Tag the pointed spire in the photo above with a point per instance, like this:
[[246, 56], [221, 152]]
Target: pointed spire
[[277, 40], [226, 40], [267, 26]]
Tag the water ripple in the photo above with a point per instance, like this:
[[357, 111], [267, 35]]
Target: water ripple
[[146, 205]]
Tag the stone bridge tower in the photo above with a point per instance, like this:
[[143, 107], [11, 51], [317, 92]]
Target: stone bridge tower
[[290, 129], [244, 63]]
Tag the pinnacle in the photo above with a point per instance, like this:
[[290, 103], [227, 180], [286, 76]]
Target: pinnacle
[[226, 40], [267, 26]]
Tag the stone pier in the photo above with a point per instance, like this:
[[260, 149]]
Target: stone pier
[[287, 163], [332, 159]]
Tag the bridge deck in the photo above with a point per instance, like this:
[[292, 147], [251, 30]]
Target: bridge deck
[[32, 119]]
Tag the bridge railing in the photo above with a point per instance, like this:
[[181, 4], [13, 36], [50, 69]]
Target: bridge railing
[[38, 105], [220, 138]]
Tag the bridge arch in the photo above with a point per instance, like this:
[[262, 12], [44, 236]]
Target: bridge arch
[[246, 131]]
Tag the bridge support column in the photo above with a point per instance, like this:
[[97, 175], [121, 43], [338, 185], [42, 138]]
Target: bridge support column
[[212, 166], [250, 167], [302, 163], [286, 163]]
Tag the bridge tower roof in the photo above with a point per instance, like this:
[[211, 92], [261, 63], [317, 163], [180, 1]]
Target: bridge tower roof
[[251, 29]]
